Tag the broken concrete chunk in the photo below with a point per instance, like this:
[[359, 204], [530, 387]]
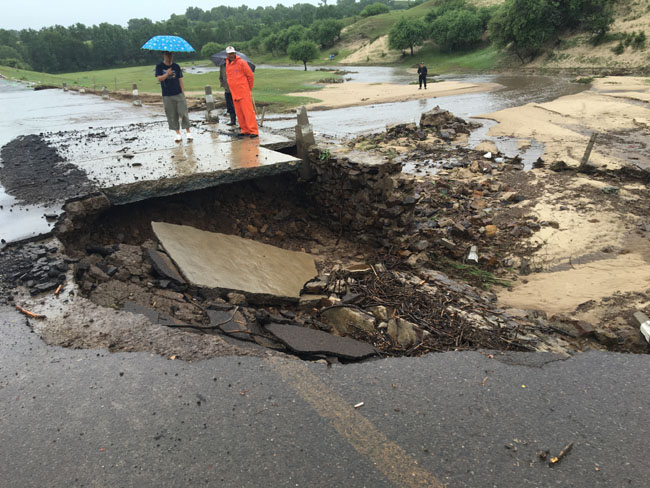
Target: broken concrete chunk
[[308, 301], [447, 243], [232, 324], [315, 286], [403, 332], [644, 324], [491, 230], [164, 265], [358, 269], [347, 320], [380, 312], [309, 341], [230, 262]]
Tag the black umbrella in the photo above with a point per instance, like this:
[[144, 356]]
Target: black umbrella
[[220, 59]]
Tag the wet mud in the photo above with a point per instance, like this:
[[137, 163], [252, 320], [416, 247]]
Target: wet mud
[[34, 172]]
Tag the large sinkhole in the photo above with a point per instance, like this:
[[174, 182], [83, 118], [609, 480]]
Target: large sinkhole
[[360, 292]]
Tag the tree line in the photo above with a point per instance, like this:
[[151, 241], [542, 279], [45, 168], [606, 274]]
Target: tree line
[[59, 49]]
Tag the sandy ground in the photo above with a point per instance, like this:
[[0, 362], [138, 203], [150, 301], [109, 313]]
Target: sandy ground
[[565, 125], [354, 94], [376, 51], [594, 254]]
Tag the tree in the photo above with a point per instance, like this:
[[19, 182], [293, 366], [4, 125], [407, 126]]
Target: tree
[[406, 34], [376, 8], [524, 25], [304, 51], [457, 29], [326, 32], [211, 48]]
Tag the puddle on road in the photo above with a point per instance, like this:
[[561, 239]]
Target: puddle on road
[[18, 222]]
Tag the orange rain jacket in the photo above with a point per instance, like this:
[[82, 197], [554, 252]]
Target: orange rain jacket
[[240, 78]]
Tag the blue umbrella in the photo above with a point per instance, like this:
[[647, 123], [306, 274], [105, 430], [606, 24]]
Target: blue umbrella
[[168, 43]]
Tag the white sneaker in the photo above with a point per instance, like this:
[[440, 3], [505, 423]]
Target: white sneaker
[[189, 135], [177, 138]]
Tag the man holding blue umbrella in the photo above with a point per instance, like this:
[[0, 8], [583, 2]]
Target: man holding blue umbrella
[[170, 76]]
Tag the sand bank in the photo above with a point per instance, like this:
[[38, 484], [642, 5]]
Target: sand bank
[[342, 95]]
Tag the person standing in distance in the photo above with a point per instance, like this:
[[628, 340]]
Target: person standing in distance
[[230, 107], [240, 81], [422, 75], [170, 76]]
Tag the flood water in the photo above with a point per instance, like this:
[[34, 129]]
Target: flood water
[[516, 91], [26, 111]]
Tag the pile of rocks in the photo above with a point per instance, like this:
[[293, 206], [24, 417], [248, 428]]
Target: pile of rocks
[[445, 124], [38, 267], [369, 199]]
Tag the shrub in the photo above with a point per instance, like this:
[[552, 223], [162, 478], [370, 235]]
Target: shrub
[[375, 9], [618, 49], [639, 40]]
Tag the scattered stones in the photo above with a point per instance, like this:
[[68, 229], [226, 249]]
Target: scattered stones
[[348, 320]]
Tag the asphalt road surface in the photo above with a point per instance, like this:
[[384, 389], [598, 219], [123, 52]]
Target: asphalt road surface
[[73, 418]]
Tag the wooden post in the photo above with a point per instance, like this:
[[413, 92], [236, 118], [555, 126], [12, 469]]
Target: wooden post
[[116, 83], [65, 86], [585, 157], [262, 117]]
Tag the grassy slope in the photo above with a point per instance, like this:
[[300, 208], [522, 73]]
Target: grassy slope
[[372, 28], [271, 85]]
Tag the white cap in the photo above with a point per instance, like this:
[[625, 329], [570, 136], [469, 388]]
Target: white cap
[[230, 49]]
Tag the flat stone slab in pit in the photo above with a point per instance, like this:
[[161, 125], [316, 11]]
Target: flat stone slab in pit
[[309, 341], [212, 260]]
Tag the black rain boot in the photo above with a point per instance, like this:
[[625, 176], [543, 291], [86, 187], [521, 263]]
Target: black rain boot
[[232, 120]]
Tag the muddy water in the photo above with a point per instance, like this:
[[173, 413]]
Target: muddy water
[[517, 90]]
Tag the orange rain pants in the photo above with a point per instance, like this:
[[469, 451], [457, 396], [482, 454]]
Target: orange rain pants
[[240, 81]]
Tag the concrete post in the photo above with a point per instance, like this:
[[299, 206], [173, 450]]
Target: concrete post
[[136, 96], [105, 93], [304, 140], [210, 110]]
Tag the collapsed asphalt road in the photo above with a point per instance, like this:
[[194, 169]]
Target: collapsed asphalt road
[[88, 418]]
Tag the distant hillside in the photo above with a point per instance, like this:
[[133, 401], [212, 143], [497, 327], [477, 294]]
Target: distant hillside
[[366, 41], [618, 50]]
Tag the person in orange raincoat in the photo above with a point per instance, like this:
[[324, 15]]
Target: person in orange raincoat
[[240, 80]]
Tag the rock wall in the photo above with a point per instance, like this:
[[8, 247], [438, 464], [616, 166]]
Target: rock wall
[[369, 200]]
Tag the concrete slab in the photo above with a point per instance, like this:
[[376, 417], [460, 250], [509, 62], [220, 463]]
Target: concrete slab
[[309, 341], [213, 260], [129, 167]]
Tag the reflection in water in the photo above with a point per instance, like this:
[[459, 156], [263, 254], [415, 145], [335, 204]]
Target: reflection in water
[[245, 153], [184, 161]]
